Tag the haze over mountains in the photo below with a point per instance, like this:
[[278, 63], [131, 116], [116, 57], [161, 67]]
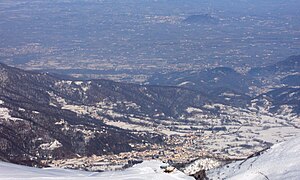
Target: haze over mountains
[[129, 41], [100, 85]]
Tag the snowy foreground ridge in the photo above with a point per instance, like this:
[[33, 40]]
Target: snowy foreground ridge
[[145, 171], [281, 161]]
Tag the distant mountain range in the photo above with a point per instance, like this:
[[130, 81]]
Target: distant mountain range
[[45, 117], [208, 80], [285, 73], [288, 66]]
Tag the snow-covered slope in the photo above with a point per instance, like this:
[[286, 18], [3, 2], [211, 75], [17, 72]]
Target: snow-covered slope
[[281, 161], [145, 171]]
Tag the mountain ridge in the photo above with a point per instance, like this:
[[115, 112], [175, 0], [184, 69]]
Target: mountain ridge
[[45, 118]]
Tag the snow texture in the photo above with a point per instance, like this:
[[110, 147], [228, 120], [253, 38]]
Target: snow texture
[[281, 161], [145, 171]]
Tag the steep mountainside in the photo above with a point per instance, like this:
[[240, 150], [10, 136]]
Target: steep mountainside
[[281, 161], [32, 129], [291, 80], [208, 80], [255, 82], [290, 65], [285, 99]]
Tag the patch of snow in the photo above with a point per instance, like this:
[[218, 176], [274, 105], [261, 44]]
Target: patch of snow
[[52, 104], [78, 82], [4, 114], [208, 106], [51, 146], [85, 88], [230, 94], [21, 109], [61, 122], [192, 109], [285, 110], [292, 94], [201, 164], [185, 83], [66, 82], [76, 108], [58, 99]]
